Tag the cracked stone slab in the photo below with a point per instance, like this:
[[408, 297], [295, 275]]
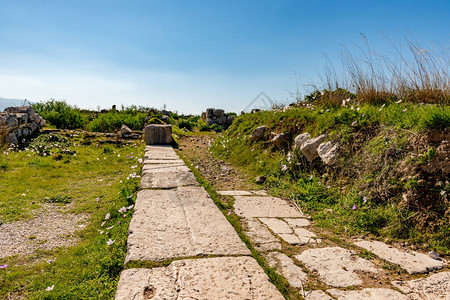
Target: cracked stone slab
[[276, 225], [286, 267], [335, 265], [235, 193], [297, 222], [413, 262], [180, 166], [290, 238], [269, 207], [306, 237], [202, 279], [261, 236], [177, 223], [436, 286], [167, 178], [368, 294], [317, 295]]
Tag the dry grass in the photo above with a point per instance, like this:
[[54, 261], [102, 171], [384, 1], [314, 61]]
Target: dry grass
[[410, 73]]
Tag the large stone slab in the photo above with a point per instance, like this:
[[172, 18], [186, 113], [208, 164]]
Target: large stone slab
[[163, 161], [235, 193], [261, 236], [413, 262], [368, 294], [178, 166], [156, 134], [306, 237], [276, 225], [317, 295], [335, 265], [269, 207], [178, 223], [286, 267], [436, 286], [297, 222], [160, 152], [202, 279], [164, 178]]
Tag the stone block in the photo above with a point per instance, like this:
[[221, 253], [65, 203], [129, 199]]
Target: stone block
[[156, 134], [300, 139], [328, 152], [309, 147]]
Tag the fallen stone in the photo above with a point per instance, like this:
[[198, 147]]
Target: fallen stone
[[124, 130], [235, 193], [286, 267], [290, 238], [335, 265], [260, 207], [167, 178], [317, 295], [436, 286], [259, 132], [276, 225], [433, 255], [413, 262], [368, 294], [205, 279], [176, 223], [260, 179], [300, 139], [309, 147], [305, 236], [280, 141], [328, 152], [260, 235], [156, 134], [296, 223]]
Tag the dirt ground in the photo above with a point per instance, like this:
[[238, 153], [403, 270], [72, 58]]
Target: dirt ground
[[221, 174]]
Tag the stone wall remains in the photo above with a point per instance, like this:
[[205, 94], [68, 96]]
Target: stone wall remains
[[217, 116], [19, 123]]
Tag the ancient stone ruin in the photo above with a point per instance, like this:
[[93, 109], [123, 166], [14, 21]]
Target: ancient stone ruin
[[19, 123], [217, 116]]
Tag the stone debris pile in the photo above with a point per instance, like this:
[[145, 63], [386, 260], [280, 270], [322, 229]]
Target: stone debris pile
[[19, 123], [217, 116]]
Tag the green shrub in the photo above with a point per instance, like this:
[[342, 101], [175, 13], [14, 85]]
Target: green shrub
[[112, 121], [60, 114], [185, 124]]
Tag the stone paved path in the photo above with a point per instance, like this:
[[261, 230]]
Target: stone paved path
[[286, 237], [177, 225]]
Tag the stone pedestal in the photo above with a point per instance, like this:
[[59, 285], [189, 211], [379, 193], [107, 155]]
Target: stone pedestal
[[156, 134]]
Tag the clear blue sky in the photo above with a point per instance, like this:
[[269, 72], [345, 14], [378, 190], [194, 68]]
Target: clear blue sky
[[189, 55]]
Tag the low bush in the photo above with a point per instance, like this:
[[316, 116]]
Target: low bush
[[60, 114], [112, 121]]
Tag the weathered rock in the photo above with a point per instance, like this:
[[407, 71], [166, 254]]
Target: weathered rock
[[336, 266], [124, 130], [296, 223], [222, 120], [309, 147], [281, 141], [259, 132], [413, 262], [260, 207], [328, 152], [166, 112], [436, 286], [210, 112], [276, 225], [218, 112], [260, 179], [165, 119], [176, 223], [317, 295], [156, 134], [300, 139], [286, 267], [202, 279], [260, 235], [368, 294]]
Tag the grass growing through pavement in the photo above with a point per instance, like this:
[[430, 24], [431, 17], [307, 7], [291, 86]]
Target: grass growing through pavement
[[98, 181]]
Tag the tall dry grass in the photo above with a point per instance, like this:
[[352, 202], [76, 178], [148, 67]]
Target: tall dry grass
[[409, 72]]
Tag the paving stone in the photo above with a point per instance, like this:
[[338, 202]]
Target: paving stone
[[295, 223], [286, 267], [436, 286], [169, 155], [317, 295], [260, 193], [179, 223], [335, 265], [167, 178], [202, 279], [164, 169], [413, 262], [305, 236], [235, 193], [163, 161], [261, 236], [147, 167], [269, 207], [368, 294], [290, 238], [276, 225]]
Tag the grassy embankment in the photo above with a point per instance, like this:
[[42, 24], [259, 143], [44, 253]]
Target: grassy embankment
[[89, 179]]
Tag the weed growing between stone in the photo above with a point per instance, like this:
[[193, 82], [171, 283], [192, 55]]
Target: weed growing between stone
[[383, 157], [101, 184]]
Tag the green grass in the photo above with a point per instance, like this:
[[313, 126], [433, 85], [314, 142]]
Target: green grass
[[96, 183]]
